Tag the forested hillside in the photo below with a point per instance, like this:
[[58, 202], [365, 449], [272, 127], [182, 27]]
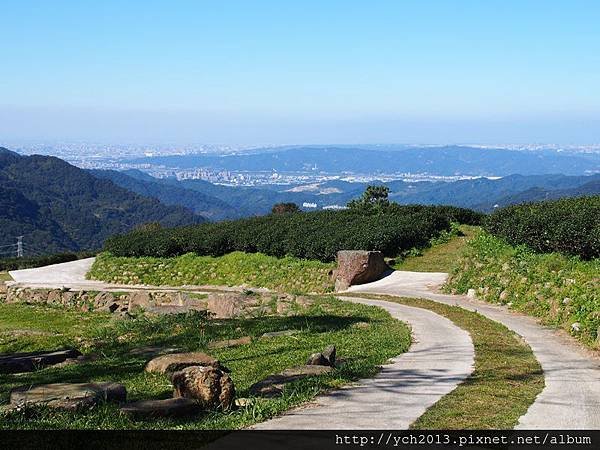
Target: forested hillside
[[59, 207], [206, 205]]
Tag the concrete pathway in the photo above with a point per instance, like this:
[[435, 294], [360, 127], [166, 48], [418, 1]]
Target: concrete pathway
[[72, 275], [440, 358], [570, 400], [55, 275], [571, 397]]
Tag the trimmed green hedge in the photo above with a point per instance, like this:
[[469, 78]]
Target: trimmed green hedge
[[570, 226], [316, 235]]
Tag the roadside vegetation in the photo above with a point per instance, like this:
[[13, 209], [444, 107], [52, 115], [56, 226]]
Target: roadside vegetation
[[570, 226], [506, 380], [286, 274], [561, 290], [4, 276], [114, 342], [442, 252]]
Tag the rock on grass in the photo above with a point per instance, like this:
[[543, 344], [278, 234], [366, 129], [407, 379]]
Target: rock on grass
[[68, 396], [211, 388], [168, 364]]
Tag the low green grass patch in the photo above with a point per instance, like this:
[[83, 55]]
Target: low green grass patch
[[286, 274], [327, 321], [25, 328], [4, 276], [561, 290], [441, 256], [506, 380]]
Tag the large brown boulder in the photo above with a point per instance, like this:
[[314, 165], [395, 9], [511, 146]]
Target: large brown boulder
[[358, 267], [168, 364], [211, 388]]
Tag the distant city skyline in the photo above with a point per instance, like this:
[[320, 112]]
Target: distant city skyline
[[345, 72]]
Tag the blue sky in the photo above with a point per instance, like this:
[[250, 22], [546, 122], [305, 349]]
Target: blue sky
[[305, 71]]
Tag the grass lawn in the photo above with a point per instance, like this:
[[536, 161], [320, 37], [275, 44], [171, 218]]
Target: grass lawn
[[4, 276], [234, 269], [327, 321], [441, 257], [506, 380]]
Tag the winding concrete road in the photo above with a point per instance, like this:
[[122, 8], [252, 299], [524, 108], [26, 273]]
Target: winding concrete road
[[571, 397], [440, 358], [435, 364]]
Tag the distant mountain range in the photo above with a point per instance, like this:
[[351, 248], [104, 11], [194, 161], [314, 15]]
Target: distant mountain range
[[216, 202], [447, 161], [536, 194], [219, 202], [484, 194], [59, 207]]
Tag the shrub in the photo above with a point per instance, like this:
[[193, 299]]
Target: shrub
[[315, 235], [284, 208], [570, 226], [373, 197]]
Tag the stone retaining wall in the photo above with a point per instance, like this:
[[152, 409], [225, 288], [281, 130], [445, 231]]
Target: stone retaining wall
[[93, 300], [218, 304]]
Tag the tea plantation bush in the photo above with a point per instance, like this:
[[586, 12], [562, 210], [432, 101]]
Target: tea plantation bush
[[316, 235], [570, 226]]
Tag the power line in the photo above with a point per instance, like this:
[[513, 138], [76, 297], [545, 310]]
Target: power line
[[19, 246], [32, 247], [16, 249], [31, 252]]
